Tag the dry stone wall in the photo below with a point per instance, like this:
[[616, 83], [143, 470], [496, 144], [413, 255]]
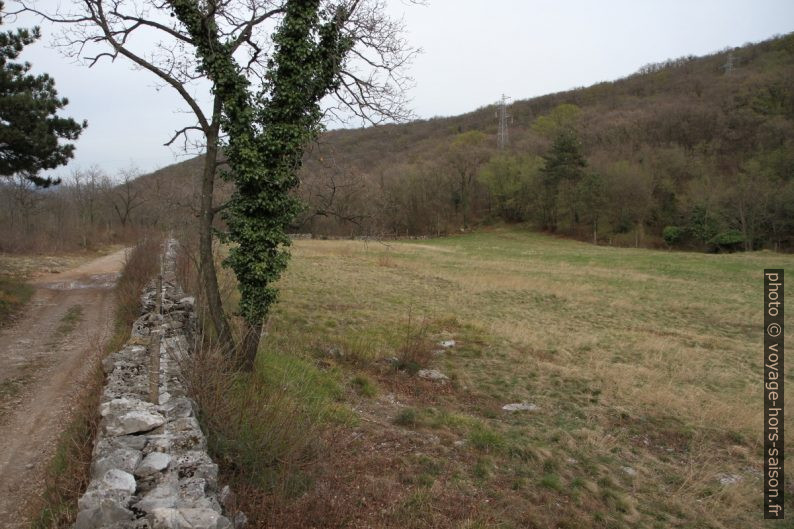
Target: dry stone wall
[[150, 467]]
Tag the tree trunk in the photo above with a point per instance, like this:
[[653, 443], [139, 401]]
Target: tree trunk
[[250, 345], [743, 223], [206, 259], [464, 198]]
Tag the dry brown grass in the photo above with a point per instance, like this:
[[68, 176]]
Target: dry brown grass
[[641, 363]]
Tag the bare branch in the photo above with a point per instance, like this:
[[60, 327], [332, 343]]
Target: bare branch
[[182, 132]]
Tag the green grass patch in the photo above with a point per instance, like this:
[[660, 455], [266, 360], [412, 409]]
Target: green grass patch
[[364, 386], [268, 425], [14, 293], [484, 439], [69, 321]]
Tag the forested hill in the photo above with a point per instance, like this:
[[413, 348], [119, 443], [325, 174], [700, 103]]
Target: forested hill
[[696, 151]]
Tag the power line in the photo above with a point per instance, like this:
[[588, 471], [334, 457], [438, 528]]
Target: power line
[[501, 138], [730, 65]]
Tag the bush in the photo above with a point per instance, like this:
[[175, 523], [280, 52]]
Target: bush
[[415, 351], [672, 235], [408, 417], [141, 265], [728, 241]]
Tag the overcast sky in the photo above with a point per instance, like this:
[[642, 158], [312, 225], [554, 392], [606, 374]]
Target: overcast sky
[[474, 50]]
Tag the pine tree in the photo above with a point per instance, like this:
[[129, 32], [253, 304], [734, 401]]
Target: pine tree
[[563, 162], [30, 129]]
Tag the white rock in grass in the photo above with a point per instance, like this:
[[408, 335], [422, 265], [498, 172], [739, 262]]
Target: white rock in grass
[[446, 344], [520, 406], [628, 470], [729, 479], [432, 374]]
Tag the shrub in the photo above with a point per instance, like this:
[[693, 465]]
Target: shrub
[[672, 235], [414, 353], [730, 241], [407, 417], [141, 266]]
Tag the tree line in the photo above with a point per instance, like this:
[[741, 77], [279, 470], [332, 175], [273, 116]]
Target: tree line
[[87, 209]]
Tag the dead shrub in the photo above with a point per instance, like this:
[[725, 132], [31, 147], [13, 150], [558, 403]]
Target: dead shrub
[[415, 350], [142, 264]]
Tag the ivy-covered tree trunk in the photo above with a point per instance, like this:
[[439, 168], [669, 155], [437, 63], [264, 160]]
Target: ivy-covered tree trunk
[[267, 133]]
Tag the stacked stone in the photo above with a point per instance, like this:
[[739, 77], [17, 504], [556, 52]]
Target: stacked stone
[[150, 467]]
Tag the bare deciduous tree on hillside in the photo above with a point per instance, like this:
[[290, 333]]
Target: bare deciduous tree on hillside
[[465, 156], [187, 46], [126, 196]]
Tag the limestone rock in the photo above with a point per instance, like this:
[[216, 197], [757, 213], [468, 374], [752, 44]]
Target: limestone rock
[[106, 514], [729, 479], [432, 374], [118, 480], [163, 496], [520, 406], [122, 459], [178, 408], [188, 519], [133, 421], [152, 463]]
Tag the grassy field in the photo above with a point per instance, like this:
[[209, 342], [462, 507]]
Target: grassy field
[[645, 368]]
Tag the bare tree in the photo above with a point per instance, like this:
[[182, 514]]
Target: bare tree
[[25, 199], [126, 196], [371, 87], [88, 189], [465, 155]]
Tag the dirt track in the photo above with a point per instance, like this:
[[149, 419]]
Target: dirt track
[[44, 358]]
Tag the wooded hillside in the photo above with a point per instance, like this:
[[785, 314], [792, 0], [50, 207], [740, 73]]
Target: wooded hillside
[[699, 150], [696, 152]]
